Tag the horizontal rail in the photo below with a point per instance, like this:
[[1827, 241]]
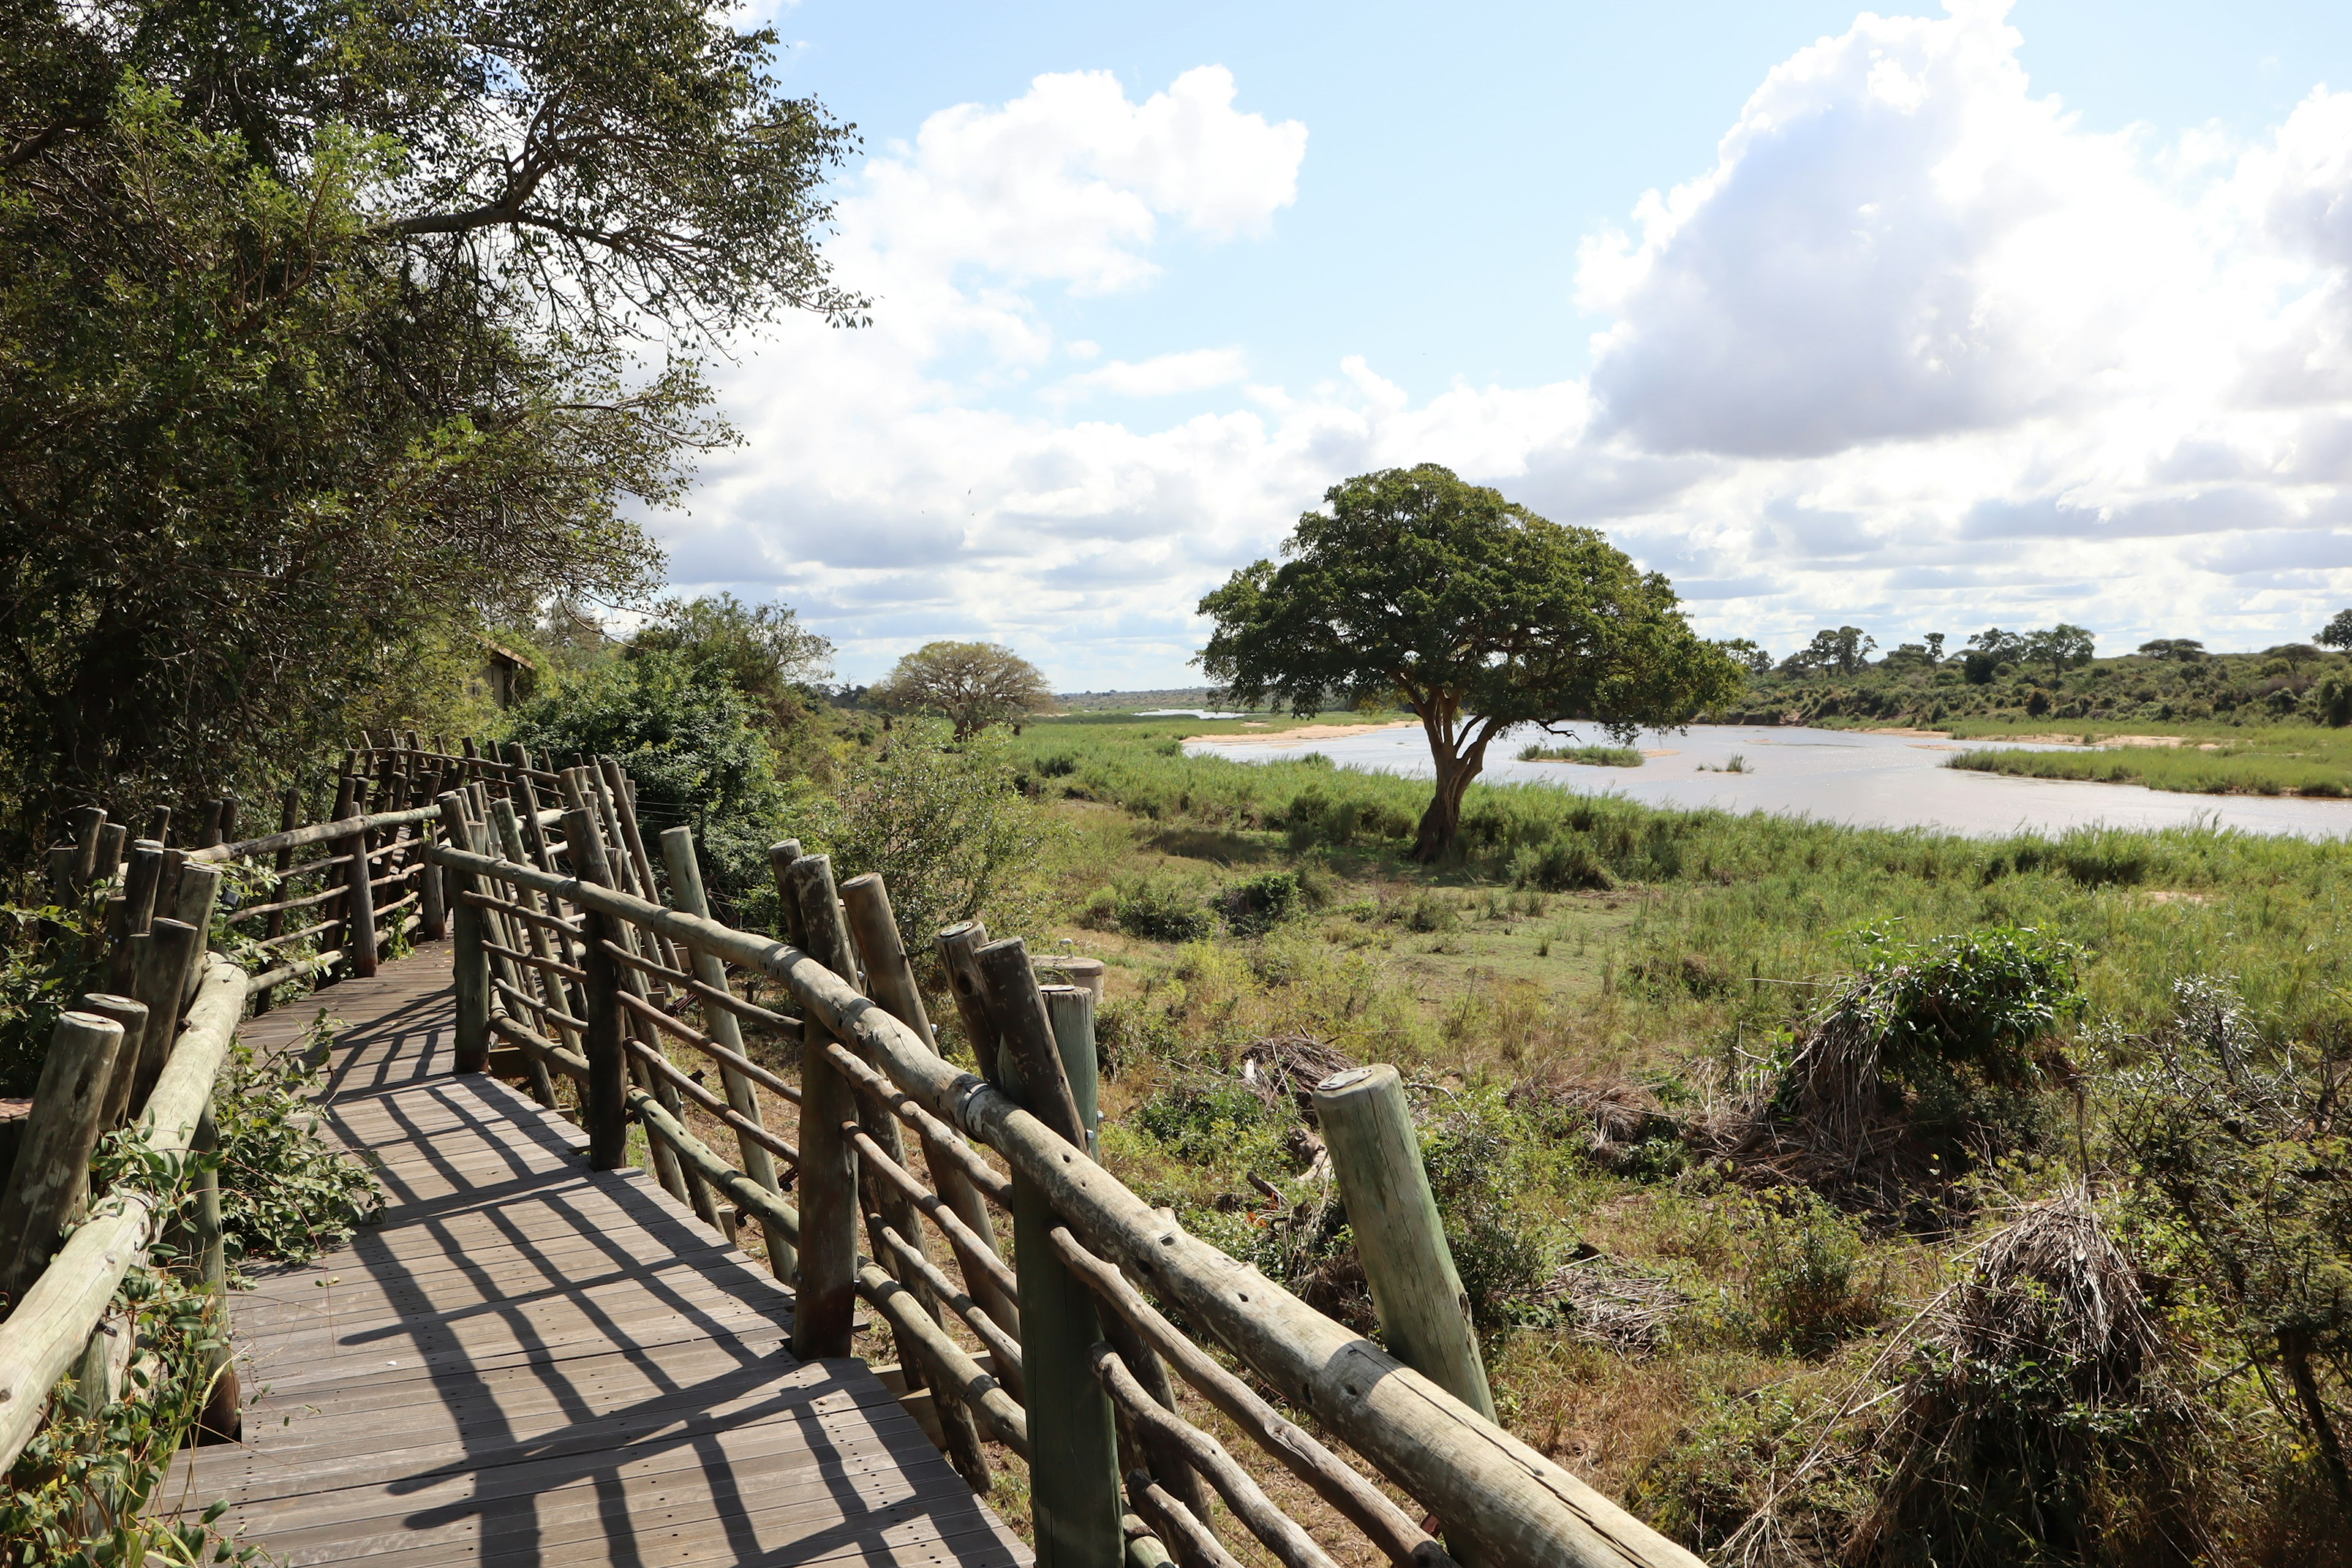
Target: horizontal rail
[[43, 1336], [1515, 1508], [699, 1041]]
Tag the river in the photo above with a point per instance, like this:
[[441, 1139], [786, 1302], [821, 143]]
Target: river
[[1834, 775]]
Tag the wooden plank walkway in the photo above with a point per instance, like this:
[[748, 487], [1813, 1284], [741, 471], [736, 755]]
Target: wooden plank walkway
[[528, 1361]]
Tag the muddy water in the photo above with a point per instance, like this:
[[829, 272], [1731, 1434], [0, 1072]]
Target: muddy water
[[1834, 775]]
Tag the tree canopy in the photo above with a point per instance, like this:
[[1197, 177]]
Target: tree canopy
[[971, 684], [1469, 609], [760, 651], [327, 332]]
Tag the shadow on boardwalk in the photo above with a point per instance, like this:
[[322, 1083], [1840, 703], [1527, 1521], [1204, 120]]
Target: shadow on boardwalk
[[528, 1361]]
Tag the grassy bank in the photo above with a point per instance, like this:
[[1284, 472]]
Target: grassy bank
[[1594, 1001], [2299, 759]]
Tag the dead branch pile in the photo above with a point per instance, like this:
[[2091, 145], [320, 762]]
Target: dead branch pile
[[2033, 1400], [1610, 1303], [1616, 1115], [1287, 1066]]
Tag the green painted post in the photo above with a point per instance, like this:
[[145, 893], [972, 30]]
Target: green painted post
[[1074, 1486]]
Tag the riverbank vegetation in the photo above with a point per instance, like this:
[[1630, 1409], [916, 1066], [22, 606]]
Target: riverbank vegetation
[[1830, 1194]]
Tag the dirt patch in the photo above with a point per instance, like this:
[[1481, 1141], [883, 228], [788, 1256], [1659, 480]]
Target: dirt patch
[[2173, 896], [1320, 731], [1662, 751]]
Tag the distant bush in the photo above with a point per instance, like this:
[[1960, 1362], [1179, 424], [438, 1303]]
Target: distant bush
[[1256, 906], [1592, 756], [1157, 908], [1806, 1279]]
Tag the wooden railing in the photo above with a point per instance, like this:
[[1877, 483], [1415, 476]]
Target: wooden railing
[[146, 1048], [582, 965], [567, 952]]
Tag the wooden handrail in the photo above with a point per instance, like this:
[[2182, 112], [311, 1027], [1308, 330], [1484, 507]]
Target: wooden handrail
[[43, 1336], [1515, 1508]]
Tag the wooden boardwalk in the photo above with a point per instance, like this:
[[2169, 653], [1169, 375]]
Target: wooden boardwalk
[[528, 1361]]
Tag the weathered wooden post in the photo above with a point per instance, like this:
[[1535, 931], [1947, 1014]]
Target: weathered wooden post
[[890, 977], [131, 1015], [359, 904], [53, 1160], [140, 882], [175, 956], [1073, 1484], [110, 838], [223, 1417], [605, 1105], [1425, 1312], [687, 893], [828, 1178], [467, 959], [959, 948], [86, 820]]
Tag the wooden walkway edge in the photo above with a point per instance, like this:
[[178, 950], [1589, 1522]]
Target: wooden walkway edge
[[529, 1361]]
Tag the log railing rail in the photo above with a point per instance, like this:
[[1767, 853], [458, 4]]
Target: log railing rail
[[147, 1051], [885, 1192], [581, 964]]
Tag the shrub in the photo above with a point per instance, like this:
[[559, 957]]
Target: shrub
[[52, 959], [945, 825], [1199, 1117], [1805, 1277], [1478, 1171], [1161, 908], [1257, 905], [693, 748], [1561, 865]]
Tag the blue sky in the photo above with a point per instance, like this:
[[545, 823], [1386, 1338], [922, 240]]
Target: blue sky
[[1931, 338]]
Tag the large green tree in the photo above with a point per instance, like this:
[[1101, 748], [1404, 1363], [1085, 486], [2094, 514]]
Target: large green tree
[[332, 328], [1470, 610]]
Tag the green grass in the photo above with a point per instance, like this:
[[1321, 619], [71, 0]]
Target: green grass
[[1587, 940], [1592, 756], [2286, 760]]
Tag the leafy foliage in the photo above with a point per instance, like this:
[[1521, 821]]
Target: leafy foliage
[[285, 1193], [52, 959], [689, 744], [762, 651], [1470, 610], [975, 684], [85, 1489], [947, 826], [326, 337]]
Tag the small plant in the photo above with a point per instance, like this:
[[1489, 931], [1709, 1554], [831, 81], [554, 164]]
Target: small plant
[[1591, 756], [1200, 1117], [1257, 905], [1160, 909], [1806, 1278]]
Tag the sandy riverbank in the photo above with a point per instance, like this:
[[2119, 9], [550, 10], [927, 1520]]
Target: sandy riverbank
[[1290, 736]]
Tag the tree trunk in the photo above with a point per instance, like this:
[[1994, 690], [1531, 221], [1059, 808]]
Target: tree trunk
[[1443, 818], [2295, 1350]]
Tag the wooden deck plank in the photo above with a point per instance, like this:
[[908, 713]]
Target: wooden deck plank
[[529, 1361]]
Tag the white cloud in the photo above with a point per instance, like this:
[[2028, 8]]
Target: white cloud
[[1163, 375], [1919, 351]]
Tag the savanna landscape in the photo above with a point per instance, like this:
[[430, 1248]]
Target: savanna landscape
[[1838, 1184]]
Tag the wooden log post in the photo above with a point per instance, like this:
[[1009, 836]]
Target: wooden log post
[[583, 792], [222, 1420], [110, 840], [176, 951], [359, 904], [1074, 1477], [1070, 1009], [959, 948], [139, 883], [468, 960], [87, 821], [432, 883], [53, 1160], [687, 892], [825, 1313], [606, 1105], [890, 977], [131, 1014], [1376, 1155]]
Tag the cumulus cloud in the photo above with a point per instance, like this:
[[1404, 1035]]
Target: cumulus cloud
[[1918, 350]]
